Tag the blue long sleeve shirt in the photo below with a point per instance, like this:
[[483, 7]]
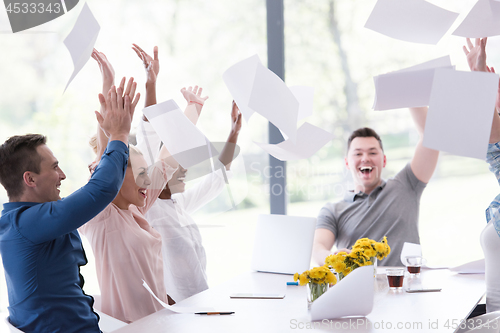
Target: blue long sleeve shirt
[[42, 252]]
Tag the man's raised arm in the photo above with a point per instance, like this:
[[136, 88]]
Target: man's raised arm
[[424, 159], [49, 220]]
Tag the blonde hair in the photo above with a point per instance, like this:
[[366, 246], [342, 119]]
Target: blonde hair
[[133, 150], [93, 143]]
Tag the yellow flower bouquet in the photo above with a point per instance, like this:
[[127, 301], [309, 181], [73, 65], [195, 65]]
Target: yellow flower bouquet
[[318, 280], [364, 252]]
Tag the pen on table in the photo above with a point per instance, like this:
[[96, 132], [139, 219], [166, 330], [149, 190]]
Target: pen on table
[[292, 283], [214, 313]]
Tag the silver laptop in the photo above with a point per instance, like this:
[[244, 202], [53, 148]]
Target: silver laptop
[[283, 244]]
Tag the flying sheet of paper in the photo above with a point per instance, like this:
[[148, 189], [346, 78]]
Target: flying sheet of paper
[[482, 21], [239, 79], [352, 296], [473, 267], [414, 21], [81, 40], [271, 98], [305, 97], [310, 139], [410, 249], [175, 308], [404, 89], [444, 61], [408, 87], [185, 142], [460, 112]]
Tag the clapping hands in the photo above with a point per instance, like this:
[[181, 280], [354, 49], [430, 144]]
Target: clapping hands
[[107, 71], [117, 110]]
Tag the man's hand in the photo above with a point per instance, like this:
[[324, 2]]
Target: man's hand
[[152, 65], [476, 55], [118, 110], [107, 71]]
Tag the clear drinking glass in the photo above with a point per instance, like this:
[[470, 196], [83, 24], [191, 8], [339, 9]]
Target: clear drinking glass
[[395, 277], [413, 264]]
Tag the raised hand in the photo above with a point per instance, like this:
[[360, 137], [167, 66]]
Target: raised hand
[[235, 120], [130, 91], [152, 65], [227, 154], [193, 95], [107, 71], [118, 110], [476, 55]]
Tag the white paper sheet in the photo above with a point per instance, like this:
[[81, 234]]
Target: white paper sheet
[[272, 99], [310, 139], [81, 40], [185, 142], [404, 89], [460, 112], [352, 296], [410, 249], [175, 308], [305, 97], [482, 21], [473, 267], [239, 79], [414, 21], [444, 61], [408, 87]]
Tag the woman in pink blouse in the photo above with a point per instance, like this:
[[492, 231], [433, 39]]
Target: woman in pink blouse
[[126, 249]]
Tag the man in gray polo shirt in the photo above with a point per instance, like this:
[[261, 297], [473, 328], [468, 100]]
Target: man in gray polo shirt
[[376, 208]]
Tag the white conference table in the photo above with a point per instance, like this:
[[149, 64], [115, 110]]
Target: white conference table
[[413, 312]]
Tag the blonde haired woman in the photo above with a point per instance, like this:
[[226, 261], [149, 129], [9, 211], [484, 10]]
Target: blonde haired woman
[[126, 249]]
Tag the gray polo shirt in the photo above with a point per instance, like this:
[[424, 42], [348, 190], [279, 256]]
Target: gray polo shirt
[[389, 210]]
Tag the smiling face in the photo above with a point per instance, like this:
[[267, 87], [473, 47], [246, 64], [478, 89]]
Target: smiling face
[[174, 185], [365, 159], [49, 179], [135, 183]]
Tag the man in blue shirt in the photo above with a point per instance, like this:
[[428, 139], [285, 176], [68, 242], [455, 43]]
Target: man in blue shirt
[[40, 247]]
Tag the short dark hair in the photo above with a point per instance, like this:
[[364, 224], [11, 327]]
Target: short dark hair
[[364, 132], [17, 155]]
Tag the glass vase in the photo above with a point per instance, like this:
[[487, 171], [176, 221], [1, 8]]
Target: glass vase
[[314, 291]]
